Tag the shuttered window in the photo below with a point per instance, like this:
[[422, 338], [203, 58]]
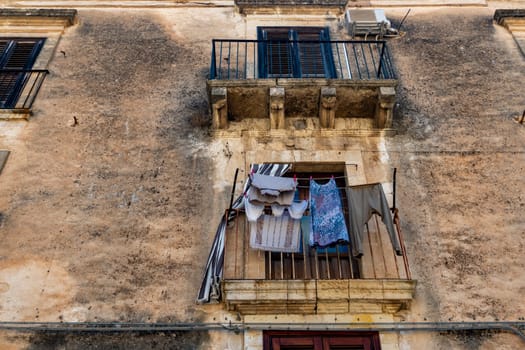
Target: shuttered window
[[287, 340], [16, 57], [295, 52]]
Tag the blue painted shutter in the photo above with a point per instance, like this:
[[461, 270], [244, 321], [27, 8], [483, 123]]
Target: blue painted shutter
[[298, 52], [16, 55]]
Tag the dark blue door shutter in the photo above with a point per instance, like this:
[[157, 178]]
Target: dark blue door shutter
[[16, 57], [298, 52]]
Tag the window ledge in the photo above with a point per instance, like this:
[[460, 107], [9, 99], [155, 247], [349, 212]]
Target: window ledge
[[270, 7], [67, 16], [15, 114], [250, 297]]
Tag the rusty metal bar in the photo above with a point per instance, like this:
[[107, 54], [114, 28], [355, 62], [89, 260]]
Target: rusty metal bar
[[293, 266], [304, 257], [339, 262], [316, 265], [282, 267], [270, 262], [371, 250], [327, 263], [402, 243], [381, 243], [350, 260], [236, 241]]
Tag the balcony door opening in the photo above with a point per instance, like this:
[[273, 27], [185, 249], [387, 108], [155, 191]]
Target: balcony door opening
[[332, 262], [295, 52], [304, 340]]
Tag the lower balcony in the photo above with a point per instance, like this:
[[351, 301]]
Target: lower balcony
[[316, 281]]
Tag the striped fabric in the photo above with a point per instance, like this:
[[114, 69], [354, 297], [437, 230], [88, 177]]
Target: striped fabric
[[210, 290], [276, 234]]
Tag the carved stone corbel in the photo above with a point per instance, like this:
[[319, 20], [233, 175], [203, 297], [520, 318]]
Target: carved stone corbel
[[327, 107], [385, 107], [219, 106], [277, 108]]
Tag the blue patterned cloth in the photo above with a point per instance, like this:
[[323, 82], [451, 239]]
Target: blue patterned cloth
[[328, 221]]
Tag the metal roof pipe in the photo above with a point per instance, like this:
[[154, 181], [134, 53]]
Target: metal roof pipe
[[514, 327]]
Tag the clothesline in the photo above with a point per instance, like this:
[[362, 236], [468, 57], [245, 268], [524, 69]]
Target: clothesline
[[339, 188], [320, 178], [317, 178]]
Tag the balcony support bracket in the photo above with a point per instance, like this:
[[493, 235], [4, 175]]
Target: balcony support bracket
[[327, 107], [219, 105], [277, 108], [385, 107]]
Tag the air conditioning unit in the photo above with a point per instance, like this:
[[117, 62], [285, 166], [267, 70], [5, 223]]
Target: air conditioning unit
[[364, 22]]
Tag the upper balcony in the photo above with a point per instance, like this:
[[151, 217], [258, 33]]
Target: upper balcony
[[301, 84]]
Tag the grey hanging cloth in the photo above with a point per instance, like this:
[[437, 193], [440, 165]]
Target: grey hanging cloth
[[363, 201], [272, 185]]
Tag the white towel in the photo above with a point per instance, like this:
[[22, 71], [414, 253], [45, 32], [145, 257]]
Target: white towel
[[296, 209], [253, 210]]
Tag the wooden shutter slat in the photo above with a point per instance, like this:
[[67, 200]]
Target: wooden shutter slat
[[20, 57]]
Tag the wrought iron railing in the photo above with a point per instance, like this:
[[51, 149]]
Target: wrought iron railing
[[258, 59], [19, 87], [380, 262]]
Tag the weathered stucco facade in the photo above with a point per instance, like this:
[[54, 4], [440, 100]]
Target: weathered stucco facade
[[117, 180]]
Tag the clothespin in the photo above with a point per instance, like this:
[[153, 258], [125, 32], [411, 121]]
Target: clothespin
[[332, 176], [295, 178], [311, 177]]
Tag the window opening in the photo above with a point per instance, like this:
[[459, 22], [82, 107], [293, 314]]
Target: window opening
[[295, 52], [333, 262], [17, 57]]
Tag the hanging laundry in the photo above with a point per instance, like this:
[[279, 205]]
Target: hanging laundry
[[328, 222], [276, 234], [253, 210], [272, 185], [296, 209], [306, 229], [363, 201], [256, 197]]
